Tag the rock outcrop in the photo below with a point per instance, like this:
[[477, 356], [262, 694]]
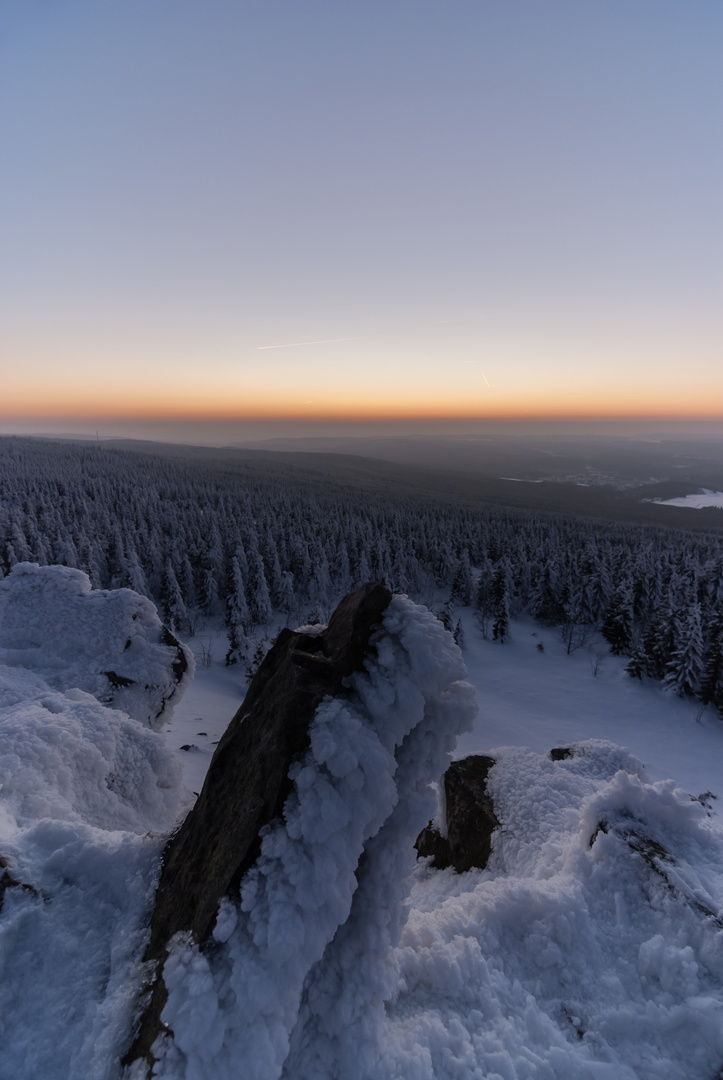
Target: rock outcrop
[[470, 817], [108, 642], [247, 783]]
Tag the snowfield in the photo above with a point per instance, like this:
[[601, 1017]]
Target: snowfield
[[590, 947]]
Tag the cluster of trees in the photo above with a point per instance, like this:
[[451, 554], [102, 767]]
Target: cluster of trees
[[250, 541]]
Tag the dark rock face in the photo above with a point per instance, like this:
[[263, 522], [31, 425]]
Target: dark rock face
[[470, 818], [560, 753], [247, 782], [7, 881]]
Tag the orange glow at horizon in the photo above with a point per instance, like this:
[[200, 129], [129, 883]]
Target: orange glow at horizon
[[425, 392], [367, 408]]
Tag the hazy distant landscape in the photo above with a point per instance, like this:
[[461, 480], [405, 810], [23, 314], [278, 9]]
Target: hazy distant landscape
[[608, 476]]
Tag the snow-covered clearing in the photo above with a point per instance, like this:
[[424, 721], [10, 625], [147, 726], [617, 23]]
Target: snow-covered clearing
[[591, 948], [527, 697]]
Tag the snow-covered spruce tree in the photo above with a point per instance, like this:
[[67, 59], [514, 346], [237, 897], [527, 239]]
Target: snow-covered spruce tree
[[463, 585], [711, 684], [546, 601], [637, 665], [617, 627], [237, 616], [500, 602], [483, 596], [172, 605], [134, 578], [685, 667], [257, 592]]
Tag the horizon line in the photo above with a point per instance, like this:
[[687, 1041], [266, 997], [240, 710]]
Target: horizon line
[[358, 417]]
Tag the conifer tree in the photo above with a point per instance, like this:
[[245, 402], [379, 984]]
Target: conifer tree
[[257, 592], [174, 610], [500, 602], [237, 616], [711, 685], [685, 667], [617, 627]]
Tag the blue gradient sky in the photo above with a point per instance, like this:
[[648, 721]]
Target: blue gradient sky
[[508, 208]]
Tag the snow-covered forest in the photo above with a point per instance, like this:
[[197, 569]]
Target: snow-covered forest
[[246, 540]]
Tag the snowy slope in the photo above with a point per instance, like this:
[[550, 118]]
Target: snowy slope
[[591, 948], [526, 698], [545, 699]]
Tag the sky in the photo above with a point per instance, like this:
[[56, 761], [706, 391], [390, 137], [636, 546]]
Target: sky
[[359, 210]]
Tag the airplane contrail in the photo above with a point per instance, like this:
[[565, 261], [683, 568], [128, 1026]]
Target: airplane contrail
[[476, 364], [295, 344]]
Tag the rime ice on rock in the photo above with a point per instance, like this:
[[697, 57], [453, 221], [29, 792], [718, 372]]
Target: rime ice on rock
[[359, 791], [109, 643]]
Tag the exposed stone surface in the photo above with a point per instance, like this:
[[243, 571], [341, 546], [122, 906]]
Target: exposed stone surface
[[470, 818], [560, 753], [7, 881], [247, 782]]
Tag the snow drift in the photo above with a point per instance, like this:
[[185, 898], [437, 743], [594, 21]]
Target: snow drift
[[591, 947], [83, 787]]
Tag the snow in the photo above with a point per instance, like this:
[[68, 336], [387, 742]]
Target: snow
[[87, 794], [526, 698], [590, 948], [580, 952], [107, 642], [542, 699], [697, 502], [200, 718], [362, 788]]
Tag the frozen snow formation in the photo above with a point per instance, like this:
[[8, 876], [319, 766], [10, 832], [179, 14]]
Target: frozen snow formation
[[109, 643], [305, 950], [82, 789], [591, 948]]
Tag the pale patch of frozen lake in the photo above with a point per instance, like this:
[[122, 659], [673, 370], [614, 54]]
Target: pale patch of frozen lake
[[694, 502]]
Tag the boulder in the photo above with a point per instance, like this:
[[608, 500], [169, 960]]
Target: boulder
[[248, 782], [108, 642], [470, 817]]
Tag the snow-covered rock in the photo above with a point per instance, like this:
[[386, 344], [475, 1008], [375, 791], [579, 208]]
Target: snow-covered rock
[[109, 643], [87, 794], [299, 961], [591, 946]]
